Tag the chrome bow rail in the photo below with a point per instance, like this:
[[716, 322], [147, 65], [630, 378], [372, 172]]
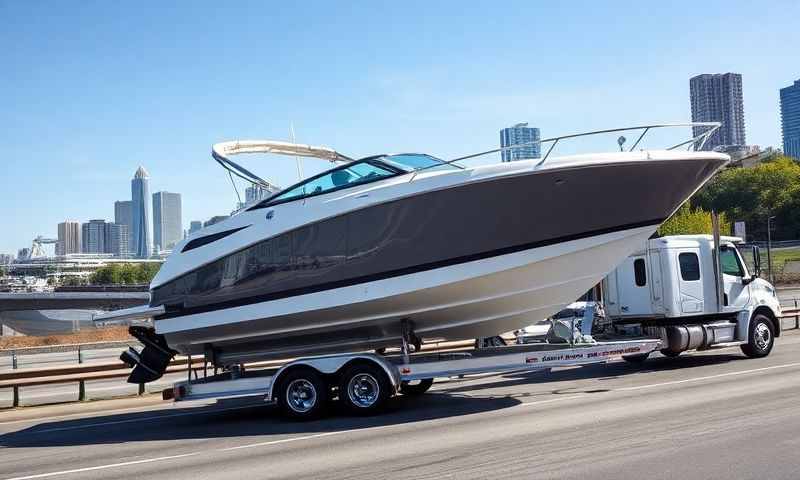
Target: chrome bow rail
[[697, 141]]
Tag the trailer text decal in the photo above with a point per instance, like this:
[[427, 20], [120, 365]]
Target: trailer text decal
[[580, 356]]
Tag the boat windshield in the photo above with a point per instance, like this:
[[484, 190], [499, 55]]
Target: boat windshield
[[356, 173], [410, 162]]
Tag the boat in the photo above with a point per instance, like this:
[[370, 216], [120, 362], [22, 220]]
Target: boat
[[391, 249]]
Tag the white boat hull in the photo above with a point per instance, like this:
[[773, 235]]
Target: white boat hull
[[468, 300]]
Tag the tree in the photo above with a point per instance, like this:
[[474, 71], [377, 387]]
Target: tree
[[753, 194], [125, 274], [688, 221]]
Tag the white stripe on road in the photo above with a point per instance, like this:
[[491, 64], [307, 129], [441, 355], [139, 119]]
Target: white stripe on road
[[330, 434]]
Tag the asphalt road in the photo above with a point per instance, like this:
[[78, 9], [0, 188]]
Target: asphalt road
[[713, 415]]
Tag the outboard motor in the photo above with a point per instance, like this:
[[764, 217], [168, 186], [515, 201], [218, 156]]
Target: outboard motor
[[151, 363]]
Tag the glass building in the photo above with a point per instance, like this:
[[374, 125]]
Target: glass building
[[717, 97], [520, 134], [790, 119], [167, 220], [141, 215]]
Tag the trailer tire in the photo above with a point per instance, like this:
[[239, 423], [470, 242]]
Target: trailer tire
[[416, 388], [302, 394], [638, 358], [364, 389], [761, 337]]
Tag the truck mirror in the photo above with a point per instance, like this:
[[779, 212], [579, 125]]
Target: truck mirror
[[756, 261]]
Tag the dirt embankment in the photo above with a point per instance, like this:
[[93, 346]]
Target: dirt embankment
[[107, 334]]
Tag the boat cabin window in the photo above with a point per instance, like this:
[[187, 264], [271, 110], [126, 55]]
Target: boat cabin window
[[415, 161], [690, 266], [343, 177], [730, 262]]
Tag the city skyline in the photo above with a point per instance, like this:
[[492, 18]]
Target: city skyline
[[718, 97], [443, 92]]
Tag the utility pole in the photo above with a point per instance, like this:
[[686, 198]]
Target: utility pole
[[769, 248]]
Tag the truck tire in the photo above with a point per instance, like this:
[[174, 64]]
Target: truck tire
[[302, 394], [761, 337], [669, 353], [364, 389], [416, 388], [638, 358]]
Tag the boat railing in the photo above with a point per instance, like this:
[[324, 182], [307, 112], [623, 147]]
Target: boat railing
[[696, 142]]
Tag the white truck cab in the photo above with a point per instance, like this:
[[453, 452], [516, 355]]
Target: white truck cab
[[673, 288]]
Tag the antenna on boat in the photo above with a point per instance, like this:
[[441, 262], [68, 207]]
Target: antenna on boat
[[296, 157]]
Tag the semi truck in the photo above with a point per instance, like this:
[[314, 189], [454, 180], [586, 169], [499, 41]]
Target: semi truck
[[693, 292]]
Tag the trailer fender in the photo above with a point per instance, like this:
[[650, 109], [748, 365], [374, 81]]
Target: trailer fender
[[331, 365]]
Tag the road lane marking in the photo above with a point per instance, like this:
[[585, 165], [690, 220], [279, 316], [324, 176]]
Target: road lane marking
[[333, 433]]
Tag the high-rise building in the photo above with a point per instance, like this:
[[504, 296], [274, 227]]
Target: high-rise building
[[69, 238], [123, 215], [167, 220], [717, 97], [141, 215], [523, 135], [194, 226], [93, 236], [116, 239], [790, 119]]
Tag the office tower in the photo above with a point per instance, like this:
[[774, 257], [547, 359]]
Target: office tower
[[167, 220], [520, 134], [69, 238], [116, 239], [790, 119], [718, 98], [123, 215], [93, 236], [141, 215]]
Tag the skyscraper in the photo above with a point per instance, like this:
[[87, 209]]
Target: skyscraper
[[116, 239], [69, 238], [123, 215], [141, 215], [790, 119], [718, 98], [167, 220], [93, 236], [519, 134]]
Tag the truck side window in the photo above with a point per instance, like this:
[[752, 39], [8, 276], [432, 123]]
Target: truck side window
[[690, 266], [639, 272], [730, 263]]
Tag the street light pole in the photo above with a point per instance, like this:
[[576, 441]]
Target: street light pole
[[769, 248]]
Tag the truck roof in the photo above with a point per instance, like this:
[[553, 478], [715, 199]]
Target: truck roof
[[686, 241]]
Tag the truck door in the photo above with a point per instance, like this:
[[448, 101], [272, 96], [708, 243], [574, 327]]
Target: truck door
[[633, 289], [656, 288], [690, 284], [733, 271]]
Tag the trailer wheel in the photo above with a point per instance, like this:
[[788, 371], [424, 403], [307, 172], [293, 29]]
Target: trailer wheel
[[422, 386], [302, 394], [637, 359], [364, 389], [761, 338]]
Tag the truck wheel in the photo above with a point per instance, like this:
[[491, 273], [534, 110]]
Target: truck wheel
[[761, 338], [638, 358], [302, 394], [419, 388], [364, 389], [669, 353]]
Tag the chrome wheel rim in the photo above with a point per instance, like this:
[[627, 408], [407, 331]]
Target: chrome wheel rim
[[301, 396], [363, 390], [762, 336]]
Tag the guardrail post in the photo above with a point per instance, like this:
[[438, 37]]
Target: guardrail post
[[13, 359], [796, 316], [81, 390], [80, 355], [141, 389], [15, 399]]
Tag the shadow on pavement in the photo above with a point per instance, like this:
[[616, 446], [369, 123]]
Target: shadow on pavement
[[236, 419]]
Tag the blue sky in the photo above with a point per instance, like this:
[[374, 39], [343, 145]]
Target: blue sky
[[91, 90]]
